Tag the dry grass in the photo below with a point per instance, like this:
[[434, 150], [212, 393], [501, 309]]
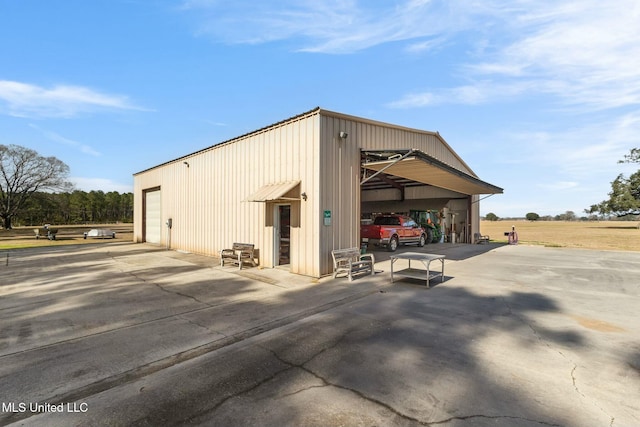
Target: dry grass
[[607, 235], [24, 237]]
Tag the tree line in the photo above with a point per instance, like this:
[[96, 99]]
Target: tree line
[[76, 207], [624, 198], [34, 190], [533, 216], [623, 202]]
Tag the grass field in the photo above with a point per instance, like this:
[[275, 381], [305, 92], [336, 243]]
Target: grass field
[[24, 237], [607, 235]]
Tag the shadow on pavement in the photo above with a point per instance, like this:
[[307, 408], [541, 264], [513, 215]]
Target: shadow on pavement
[[299, 355]]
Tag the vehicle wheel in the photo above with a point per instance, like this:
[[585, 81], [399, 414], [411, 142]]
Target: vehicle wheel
[[393, 244], [430, 236], [423, 240]]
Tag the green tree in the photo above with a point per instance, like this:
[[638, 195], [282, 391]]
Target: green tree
[[126, 206], [624, 198], [79, 202], [23, 172], [491, 217], [532, 216], [567, 216], [112, 204], [632, 157], [77, 207]]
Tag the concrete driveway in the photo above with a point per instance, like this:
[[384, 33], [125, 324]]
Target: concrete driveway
[[126, 334]]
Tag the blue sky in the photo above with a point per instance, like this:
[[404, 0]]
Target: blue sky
[[539, 97]]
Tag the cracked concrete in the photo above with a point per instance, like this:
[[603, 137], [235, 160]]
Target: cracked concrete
[[551, 346], [147, 337], [326, 383]]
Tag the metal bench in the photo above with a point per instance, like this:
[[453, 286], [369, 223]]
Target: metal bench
[[351, 262], [238, 254], [479, 238]]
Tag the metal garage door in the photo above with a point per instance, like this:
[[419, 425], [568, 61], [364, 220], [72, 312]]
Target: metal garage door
[[152, 217]]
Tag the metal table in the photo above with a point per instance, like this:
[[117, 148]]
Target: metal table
[[416, 273]]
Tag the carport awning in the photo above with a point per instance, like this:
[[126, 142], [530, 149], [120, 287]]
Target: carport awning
[[418, 166], [285, 191]]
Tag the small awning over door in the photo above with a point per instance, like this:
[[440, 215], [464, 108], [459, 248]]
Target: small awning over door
[[418, 166], [283, 191]]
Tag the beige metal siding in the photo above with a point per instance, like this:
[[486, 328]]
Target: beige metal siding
[[206, 196], [206, 199], [340, 163], [340, 188], [372, 135]]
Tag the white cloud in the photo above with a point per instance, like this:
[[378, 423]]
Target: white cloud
[[579, 153], [585, 52], [472, 94], [213, 123], [560, 185], [70, 142], [336, 26], [423, 99], [427, 45], [27, 100]]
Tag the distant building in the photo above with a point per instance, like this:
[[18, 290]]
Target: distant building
[[298, 189]]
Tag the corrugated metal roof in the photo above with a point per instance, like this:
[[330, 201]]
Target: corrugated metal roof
[[274, 192], [315, 110]]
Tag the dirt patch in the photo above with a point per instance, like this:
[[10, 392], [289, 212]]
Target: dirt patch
[[597, 325]]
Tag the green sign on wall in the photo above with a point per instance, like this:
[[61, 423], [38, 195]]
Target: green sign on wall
[[327, 217]]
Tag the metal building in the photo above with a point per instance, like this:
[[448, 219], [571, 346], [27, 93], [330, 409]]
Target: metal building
[[298, 188]]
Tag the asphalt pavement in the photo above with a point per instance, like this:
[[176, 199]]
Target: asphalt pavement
[[133, 335]]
